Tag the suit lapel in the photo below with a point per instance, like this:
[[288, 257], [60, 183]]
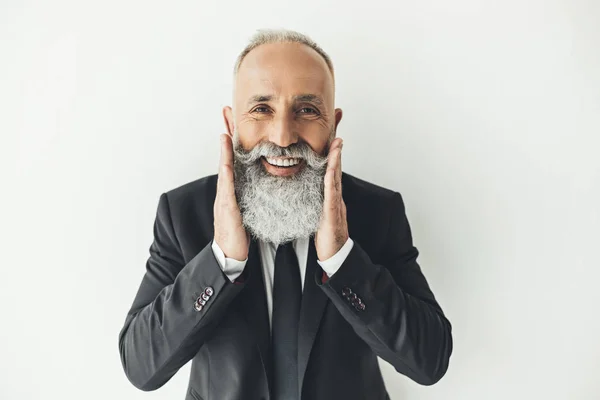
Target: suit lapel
[[312, 307], [314, 299]]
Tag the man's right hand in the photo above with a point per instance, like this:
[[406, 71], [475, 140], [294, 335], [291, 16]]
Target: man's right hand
[[230, 234]]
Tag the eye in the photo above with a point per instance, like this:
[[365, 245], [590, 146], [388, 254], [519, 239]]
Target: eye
[[311, 110], [259, 108]]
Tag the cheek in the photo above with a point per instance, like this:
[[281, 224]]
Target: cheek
[[317, 142], [316, 135], [250, 136]]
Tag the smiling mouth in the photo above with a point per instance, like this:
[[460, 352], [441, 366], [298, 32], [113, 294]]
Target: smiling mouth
[[283, 162], [293, 167]]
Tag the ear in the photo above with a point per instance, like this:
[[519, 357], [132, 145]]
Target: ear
[[338, 117], [228, 118]]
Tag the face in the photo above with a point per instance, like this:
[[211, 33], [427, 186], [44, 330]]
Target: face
[[285, 115], [284, 95]]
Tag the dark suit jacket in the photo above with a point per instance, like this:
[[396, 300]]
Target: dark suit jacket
[[339, 341]]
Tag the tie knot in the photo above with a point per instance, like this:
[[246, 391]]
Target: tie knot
[[287, 248]]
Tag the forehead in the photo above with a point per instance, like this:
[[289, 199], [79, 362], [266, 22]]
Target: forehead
[[283, 69]]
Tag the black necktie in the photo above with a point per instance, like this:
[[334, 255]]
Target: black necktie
[[287, 296]]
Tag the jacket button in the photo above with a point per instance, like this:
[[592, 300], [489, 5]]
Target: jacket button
[[201, 301], [209, 291], [198, 307], [205, 296], [360, 306], [346, 291]]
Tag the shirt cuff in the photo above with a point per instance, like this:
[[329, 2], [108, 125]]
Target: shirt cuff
[[332, 264], [230, 266]]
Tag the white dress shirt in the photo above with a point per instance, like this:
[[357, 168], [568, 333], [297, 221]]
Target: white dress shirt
[[234, 268]]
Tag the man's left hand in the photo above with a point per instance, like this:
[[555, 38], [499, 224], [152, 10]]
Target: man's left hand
[[332, 233]]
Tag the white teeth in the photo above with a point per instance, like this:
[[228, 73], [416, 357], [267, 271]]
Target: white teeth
[[288, 162]]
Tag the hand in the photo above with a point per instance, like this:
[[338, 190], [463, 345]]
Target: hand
[[332, 233], [230, 234]]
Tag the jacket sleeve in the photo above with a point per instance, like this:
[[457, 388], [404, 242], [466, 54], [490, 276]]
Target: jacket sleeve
[[163, 329], [399, 317]]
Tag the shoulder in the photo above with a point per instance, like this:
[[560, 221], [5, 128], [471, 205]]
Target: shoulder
[[372, 212], [206, 183], [194, 193], [355, 188]]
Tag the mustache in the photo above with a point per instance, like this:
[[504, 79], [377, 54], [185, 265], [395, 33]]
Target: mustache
[[269, 149]]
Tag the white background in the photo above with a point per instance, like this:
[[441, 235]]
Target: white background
[[485, 115]]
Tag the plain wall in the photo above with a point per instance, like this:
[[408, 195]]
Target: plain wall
[[483, 114]]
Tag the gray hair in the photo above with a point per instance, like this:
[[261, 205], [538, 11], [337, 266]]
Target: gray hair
[[267, 36]]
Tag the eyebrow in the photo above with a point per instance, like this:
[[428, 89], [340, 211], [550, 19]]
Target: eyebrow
[[308, 97]]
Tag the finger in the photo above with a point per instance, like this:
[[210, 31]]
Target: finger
[[339, 172], [335, 144], [227, 188], [335, 165], [220, 178], [227, 150], [225, 185], [330, 180], [332, 158], [329, 194]]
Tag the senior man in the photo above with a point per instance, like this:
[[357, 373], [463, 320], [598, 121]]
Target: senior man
[[282, 277]]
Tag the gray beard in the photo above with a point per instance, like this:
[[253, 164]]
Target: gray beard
[[279, 209]]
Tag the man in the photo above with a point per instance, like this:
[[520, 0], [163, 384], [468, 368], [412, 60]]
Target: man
[[282, 277]]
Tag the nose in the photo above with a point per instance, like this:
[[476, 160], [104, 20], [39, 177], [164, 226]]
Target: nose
[[282, 132]]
